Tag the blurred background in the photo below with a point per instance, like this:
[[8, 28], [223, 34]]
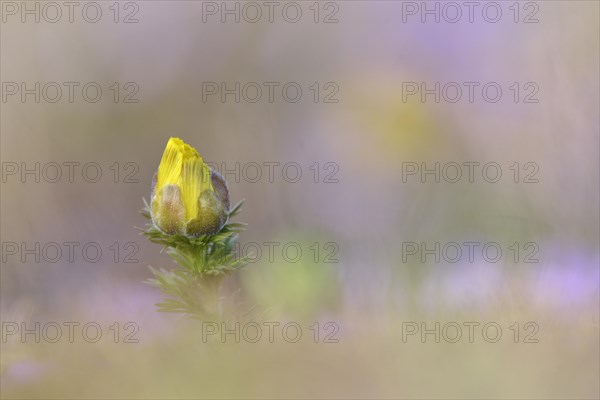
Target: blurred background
[[352, 211]]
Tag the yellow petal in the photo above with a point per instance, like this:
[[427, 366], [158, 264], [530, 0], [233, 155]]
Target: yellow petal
[[195, 178], [170, 165]]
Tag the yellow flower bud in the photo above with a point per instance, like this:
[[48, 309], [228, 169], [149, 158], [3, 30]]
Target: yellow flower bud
[[188, 197]]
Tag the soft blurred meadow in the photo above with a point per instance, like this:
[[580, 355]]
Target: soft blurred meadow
[[359, 209]]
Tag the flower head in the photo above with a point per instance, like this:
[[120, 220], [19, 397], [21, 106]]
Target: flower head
[[188, 197]]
